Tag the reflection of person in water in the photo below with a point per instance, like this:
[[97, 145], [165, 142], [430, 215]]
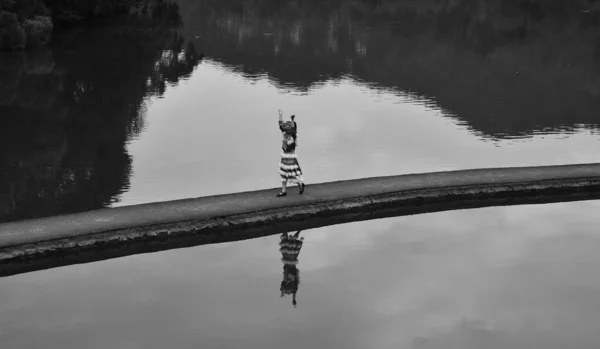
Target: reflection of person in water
[[289, 246], [289, 168]]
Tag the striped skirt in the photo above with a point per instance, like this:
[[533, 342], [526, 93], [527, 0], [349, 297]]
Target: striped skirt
[[289, 168], [289, 247]]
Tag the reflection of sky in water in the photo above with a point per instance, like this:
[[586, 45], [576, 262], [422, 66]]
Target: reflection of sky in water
[[509, 277], [216, 133]]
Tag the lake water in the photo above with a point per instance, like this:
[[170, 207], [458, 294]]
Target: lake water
[[494, 278], [183, 103]]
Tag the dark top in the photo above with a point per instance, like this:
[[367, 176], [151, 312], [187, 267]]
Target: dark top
[[290, 128]]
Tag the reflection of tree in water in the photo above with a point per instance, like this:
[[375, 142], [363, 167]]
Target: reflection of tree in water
[[67, 112], [503, 67], [290, 246]]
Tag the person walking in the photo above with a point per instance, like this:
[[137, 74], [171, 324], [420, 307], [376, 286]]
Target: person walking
[[289, 168]]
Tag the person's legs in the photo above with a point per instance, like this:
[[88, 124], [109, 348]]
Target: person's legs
[[298, 178], [283, 188], [300, 182], [283, 176]]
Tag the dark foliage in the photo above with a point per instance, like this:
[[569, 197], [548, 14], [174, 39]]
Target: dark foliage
[[68, 111]]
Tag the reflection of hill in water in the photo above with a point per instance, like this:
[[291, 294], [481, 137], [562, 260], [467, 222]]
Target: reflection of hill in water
[[506, 68], [68, 111]]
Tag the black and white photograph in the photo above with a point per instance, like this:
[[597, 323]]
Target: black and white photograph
[[267, 174]]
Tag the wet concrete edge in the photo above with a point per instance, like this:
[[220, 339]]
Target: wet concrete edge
[[85, 248]]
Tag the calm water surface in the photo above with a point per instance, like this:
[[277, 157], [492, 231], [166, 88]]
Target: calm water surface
[[182, 102], [514, 277]]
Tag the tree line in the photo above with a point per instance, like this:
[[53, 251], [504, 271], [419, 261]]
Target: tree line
[[30, 23]]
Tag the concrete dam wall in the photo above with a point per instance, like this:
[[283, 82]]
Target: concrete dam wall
[[44, 243]]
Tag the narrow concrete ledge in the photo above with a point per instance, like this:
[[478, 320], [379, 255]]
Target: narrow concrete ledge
[[109, 233]]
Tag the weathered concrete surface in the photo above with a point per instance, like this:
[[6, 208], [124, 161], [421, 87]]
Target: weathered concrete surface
[[109, 233]]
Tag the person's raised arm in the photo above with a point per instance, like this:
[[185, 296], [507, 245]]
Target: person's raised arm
[[280, 119], [293, 117]]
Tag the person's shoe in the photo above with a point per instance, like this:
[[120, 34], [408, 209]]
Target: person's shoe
[[283, 193], [301, 189]]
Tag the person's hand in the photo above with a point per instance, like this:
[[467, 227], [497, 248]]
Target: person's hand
[[280, 112]]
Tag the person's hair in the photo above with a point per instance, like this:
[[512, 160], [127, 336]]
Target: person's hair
[[292, 132]]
